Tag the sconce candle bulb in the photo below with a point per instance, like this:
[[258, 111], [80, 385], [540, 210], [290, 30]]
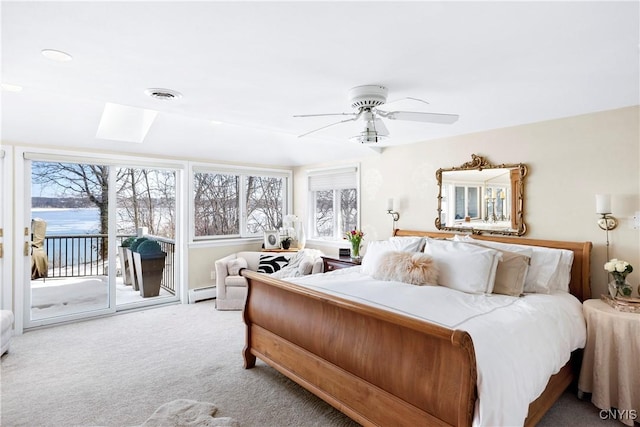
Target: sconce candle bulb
[[603, 204]]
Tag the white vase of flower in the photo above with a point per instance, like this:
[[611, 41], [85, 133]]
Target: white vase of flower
[[619, 287], [355, 238]]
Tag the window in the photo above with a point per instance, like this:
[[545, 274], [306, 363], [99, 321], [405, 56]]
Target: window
[[333, 196], [238, 204], [467, 203]]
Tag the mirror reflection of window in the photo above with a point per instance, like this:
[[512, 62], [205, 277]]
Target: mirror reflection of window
[[472, 205], [460, 202], [467, 202]]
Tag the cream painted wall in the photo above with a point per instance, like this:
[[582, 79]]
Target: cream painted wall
[[202, 261], [570, 160]]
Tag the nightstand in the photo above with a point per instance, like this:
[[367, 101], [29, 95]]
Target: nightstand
[[610, 364], [336, 263]]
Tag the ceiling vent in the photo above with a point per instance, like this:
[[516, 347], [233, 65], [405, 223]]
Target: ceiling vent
[[163, 94]]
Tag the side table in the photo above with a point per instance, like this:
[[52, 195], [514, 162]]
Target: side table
[[331, 263], [611, 361]]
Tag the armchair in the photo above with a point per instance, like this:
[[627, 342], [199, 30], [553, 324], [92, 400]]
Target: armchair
[[231, 288]]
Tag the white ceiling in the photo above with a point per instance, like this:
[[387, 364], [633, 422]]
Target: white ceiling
[[253, 65]]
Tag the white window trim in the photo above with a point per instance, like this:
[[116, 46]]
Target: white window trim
[[335, 241], [201, 167]]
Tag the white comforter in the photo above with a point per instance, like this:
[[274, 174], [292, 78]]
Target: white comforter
[[519, 342]]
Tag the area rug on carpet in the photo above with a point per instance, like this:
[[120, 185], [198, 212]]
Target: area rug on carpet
[[188, 413]]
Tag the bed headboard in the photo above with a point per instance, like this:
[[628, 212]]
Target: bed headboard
[[580, 285]]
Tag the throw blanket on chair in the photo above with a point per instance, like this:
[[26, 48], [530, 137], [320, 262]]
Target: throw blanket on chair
[[300, 264]]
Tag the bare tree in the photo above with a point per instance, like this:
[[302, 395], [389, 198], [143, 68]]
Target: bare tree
[[146, 198], [86, 181], [349, 209], [325, 211], [264, 203], [216, 199]]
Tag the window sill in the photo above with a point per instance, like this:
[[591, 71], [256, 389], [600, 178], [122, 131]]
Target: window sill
[[212, 243]]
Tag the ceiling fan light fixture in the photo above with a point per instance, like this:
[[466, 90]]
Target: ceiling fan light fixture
[[368, 137]]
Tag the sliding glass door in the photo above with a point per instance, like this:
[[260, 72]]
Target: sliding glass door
[[146, 210], [69, 240], [82, 217]]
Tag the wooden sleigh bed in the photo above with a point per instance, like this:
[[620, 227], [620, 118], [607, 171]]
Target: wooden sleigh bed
[[370, 363]]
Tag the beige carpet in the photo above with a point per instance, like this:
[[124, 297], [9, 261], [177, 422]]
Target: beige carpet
[[117, 371]]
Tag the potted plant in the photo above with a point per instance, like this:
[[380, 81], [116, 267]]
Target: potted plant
[[149, 264], [286, 242], [124, 261]]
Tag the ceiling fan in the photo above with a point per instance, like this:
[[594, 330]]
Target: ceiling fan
[[365, 100]]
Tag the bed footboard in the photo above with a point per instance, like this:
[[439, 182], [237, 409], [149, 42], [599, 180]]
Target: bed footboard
[[377, 367]]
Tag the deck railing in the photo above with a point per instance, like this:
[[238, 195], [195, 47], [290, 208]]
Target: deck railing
[[81, 255]]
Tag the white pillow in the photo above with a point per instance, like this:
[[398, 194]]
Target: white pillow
[[234, 266], [467, 268], [407, 243], [373, 254], [560, 281], [511, 272], [550, 268]]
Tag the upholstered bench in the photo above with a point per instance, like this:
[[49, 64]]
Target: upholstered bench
[[231, 288], [6, 323]]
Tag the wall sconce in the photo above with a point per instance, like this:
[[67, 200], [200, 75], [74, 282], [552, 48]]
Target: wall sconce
[[606, 221], [603, 207], [392, 212]]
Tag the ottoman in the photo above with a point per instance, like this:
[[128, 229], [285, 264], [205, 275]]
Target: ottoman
[[6, 324]]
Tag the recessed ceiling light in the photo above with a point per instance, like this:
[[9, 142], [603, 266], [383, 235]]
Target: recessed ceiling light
[[215, 122], [11, 88], [56, 55], [163, 94]]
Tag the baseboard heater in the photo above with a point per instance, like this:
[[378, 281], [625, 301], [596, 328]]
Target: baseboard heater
[[200, 294]]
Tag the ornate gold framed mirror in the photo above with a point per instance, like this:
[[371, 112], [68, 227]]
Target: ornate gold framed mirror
[[479, 197]]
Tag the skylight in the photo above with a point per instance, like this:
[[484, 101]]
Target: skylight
[[124, 123]]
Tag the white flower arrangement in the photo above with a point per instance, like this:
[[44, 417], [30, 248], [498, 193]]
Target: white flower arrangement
[[618, 266], [619, 270]]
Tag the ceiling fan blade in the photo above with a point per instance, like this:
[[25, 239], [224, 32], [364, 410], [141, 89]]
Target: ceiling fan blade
[[381, 128], [420, 117], [331, 124], [406, 97], [327, 114]]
